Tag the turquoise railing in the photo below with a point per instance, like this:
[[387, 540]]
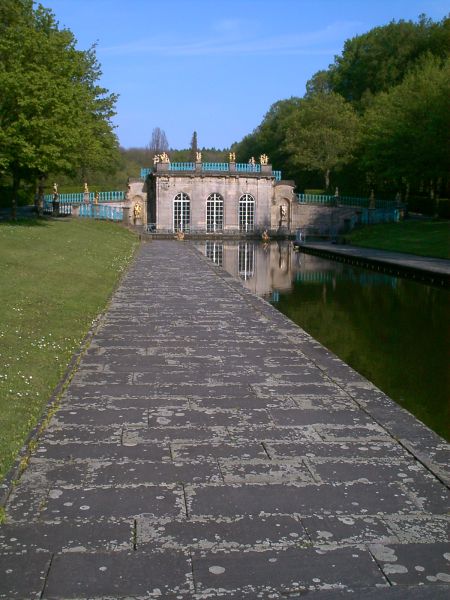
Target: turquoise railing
[[145, 173], [215, 166], [316, 199], [181, 166], [277, 175], [248, 168], [346, 201], [97, 211], [114, 196]]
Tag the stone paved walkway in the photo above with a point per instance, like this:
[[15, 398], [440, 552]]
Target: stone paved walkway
[[209, 448]]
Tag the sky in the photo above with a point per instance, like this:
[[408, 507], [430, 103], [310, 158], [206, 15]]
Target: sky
[[216, 66]]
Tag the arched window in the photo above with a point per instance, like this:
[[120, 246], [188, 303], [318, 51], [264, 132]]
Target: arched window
[[246, 212], [181, 212], [214, 213]]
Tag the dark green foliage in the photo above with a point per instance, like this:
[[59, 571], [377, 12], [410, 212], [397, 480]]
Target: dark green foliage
[[396, 78], [379, 59], [406, 131], [54, 117]]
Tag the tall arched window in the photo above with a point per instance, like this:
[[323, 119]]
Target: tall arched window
[[214, 213], [181, 212], [246, 212]]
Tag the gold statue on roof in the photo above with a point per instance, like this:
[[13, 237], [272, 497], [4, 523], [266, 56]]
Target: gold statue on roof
[[264, 159], [232, 156], [252, 161], [164, 157], [198, 157]]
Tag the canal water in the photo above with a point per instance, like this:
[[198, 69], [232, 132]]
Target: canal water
[[394, 331]]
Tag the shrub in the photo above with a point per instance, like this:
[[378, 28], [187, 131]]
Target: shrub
[[443, 208]]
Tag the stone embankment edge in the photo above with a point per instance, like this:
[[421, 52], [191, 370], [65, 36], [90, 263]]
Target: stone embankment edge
[[24, 454], [435, 278], [380, 407]]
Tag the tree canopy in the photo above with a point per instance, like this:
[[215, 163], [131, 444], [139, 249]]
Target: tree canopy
[[54, 117], [377, 117]]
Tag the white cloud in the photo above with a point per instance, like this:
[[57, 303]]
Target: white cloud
[[243, 41]]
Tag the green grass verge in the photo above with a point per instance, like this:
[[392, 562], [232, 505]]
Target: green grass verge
[[426, 238], [56, 276]]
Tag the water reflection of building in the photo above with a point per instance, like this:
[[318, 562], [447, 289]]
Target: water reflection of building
[[214, 251], [261, 267], [246, 260], [268, 269]]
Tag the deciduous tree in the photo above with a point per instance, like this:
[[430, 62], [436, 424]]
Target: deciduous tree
[[322, 134], [54, 117]]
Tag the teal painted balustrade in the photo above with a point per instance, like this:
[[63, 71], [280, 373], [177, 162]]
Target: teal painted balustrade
[[215, 166], [114, 196], [145, 173], [248, 168], [97, 211], [316, 199], [181, 166], [277, 175], [347, 201]]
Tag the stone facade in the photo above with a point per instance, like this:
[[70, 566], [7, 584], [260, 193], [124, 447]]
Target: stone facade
[[151, 203], [271, 199]]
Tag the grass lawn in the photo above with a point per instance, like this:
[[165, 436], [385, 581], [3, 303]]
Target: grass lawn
[[55, 278], [426, 238]]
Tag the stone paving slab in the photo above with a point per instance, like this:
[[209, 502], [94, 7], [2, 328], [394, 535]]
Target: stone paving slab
[[207, 447]]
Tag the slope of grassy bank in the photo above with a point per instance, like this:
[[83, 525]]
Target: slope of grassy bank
[[55, 277], [426, 238]]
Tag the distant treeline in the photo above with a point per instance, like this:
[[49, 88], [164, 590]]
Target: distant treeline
[[378, 118]]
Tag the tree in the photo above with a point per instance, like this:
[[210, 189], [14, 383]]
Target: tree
[[158, 142], [194, 146], [53, 115], [379, 59], [406, 130], [270, 136], [322, 134]]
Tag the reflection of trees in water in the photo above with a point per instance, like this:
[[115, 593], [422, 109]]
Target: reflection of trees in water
[[246, 260], [393, 331]]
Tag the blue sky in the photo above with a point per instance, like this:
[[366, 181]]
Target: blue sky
[[216, 66]]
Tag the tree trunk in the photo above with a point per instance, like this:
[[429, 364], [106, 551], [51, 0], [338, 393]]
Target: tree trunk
[[39, 203], [327, 179], [15, 192]]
